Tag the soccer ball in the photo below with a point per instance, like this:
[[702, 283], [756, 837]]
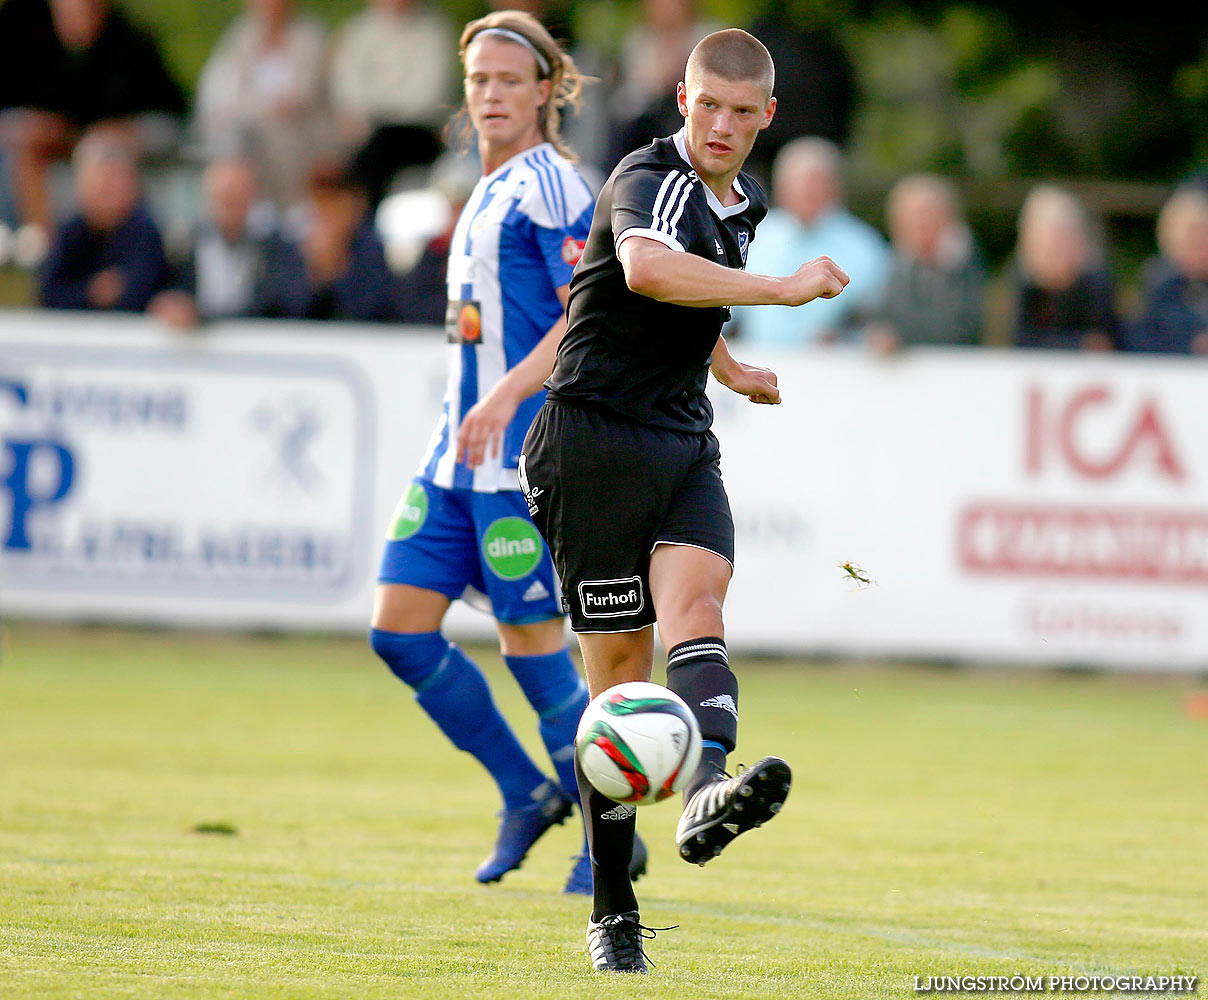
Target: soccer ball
[[638, 742]]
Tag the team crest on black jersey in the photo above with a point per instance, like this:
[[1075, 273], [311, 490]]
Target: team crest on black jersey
[[744, 241]]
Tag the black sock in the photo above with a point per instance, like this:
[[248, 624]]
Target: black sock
[[712, 767], [610, 830], [699, 672]]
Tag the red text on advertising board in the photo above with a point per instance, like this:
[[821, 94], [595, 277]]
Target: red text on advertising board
[[1056, 431]]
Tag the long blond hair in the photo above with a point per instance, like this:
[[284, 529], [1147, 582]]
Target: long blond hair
[[566, 82]]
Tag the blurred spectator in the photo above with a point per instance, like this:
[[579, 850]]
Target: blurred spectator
[[1064, 296], [810, 219], [653, 56], [72, 66], [815, 81], [423, 293], [1175, 312], [935, 293], [110, 255], [391, 81], [229, 249], [1197, 178], [26, 36], [337, 268], [547, 13], [262, 94]]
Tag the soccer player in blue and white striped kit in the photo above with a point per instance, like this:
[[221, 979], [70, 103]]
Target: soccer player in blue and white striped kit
[[462, 526]]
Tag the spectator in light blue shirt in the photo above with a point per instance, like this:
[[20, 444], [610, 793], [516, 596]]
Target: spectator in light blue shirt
[[811, 219]]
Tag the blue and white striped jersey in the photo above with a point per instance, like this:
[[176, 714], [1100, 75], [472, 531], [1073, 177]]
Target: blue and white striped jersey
[[517, 240]]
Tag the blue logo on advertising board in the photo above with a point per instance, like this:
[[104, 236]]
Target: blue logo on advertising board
[[41, 471]]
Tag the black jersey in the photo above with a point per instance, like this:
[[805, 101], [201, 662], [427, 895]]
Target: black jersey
[[644, 359]]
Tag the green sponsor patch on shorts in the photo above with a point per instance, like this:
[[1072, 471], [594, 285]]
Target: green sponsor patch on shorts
[[512, 547], [410, 514]]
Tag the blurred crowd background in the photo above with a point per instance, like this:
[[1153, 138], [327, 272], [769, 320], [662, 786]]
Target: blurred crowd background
[[1020, 174]]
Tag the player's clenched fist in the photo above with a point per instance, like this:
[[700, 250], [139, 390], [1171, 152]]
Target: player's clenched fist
[[820, 278]]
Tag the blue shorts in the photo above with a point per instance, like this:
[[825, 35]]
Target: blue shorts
[[464, 544]]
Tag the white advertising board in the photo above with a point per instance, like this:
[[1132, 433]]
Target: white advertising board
[[242, 477], [1013, 507]]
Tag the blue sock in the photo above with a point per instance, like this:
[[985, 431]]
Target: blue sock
[[558, 695], [454, 693]]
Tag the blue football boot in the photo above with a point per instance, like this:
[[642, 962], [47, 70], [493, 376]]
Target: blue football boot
[[579, 881], [520, 829]]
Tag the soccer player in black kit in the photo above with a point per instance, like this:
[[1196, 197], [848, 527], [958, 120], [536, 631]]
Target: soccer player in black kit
[[622, 472]]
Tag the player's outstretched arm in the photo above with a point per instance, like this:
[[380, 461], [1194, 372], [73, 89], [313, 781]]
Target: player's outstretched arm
[[482, 430], [684, 279], [759, 385]]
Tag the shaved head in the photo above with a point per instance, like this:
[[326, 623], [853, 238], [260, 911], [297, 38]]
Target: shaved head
[[734, 55]]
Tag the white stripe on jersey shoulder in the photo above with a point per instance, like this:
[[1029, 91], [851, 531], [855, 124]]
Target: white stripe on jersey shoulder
[[669, 202], [651, 234], [556, 195]]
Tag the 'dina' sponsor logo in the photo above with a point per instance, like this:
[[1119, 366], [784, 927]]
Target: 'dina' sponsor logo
[[410, 514], [511, 547]]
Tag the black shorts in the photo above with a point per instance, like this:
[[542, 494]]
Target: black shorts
[[604, 491]]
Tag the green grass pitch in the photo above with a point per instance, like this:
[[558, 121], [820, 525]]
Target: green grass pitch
[[199, 816]]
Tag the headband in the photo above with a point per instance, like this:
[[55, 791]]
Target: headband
[[515, 36]]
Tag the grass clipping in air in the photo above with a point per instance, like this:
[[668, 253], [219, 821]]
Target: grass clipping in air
[[854, 572]]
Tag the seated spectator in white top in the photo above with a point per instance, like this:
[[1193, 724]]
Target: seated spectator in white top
[[225, 266], [262, 93], [392, 80], [811, 218]]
